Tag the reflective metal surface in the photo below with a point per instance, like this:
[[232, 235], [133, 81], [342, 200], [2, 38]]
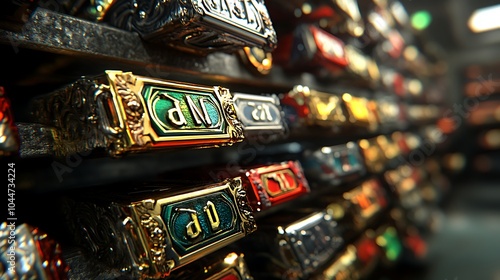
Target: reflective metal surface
[[123, 112], [27, 253], [152, 237], [308, 107], [260, 115], [334, 165], [199, 26], [274, 184]]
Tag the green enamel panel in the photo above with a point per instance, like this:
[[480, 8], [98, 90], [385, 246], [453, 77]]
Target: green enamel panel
[[193, 214], [176, 112]]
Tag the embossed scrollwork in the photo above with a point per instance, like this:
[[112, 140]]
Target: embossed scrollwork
[[132, 105], [244, 208], [199, 26], [236, 128], [148, 17], [72, 111], [156, 234]]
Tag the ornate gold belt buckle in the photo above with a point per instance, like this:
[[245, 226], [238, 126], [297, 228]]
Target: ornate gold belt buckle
[[307, 107], [152, 237], [125, 113], [199, 26]]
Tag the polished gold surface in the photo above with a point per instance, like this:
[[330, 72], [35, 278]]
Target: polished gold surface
[[166, 232], [123, 112], [318, 108], [232, 267], [257, 59]]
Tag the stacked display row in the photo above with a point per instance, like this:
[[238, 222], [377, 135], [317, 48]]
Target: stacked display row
[[317, 131], [161, 234]]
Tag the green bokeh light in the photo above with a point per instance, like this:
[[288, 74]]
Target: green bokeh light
[[420, 20]]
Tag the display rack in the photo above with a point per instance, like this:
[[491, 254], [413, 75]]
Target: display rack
[[54, 49]]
